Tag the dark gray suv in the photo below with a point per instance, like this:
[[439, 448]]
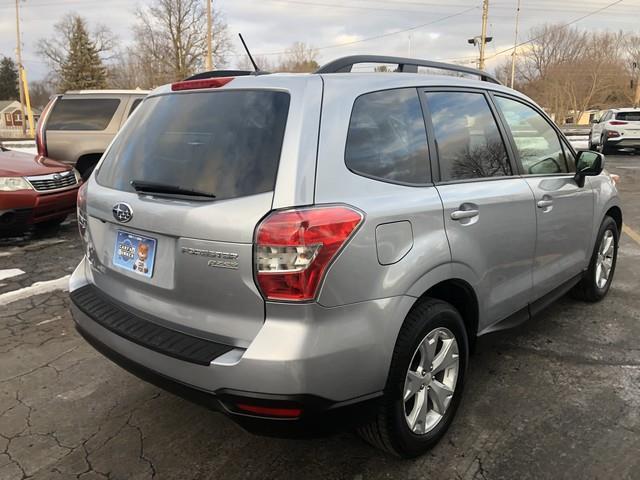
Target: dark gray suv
[[294, 248]]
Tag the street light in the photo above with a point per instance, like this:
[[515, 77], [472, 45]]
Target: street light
[[477, 41]]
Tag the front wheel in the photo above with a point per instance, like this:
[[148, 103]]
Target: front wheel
[[597, 279], [425, 381]]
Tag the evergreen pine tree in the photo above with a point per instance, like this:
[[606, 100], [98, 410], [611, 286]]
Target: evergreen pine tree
[[83, 68], [8, 79]]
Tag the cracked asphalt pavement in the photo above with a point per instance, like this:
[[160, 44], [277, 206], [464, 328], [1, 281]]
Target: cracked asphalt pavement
[[558, 397]]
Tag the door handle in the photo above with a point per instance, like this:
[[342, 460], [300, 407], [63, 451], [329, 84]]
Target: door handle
[[462, 214], [544, 203]]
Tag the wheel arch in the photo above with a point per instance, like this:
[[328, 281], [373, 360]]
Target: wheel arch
[[87, 160], [462, 296], [615, 212]]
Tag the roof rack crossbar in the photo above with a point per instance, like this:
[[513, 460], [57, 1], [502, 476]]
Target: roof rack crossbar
[[407, 65]]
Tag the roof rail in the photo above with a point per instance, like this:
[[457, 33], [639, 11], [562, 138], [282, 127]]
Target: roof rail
[[223, 73], [409, 65]]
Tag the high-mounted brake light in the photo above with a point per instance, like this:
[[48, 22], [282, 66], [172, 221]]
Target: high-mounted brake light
[[204, 83], [617, 122], [294, 248]]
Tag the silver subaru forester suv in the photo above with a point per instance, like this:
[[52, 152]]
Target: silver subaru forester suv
[[295, 249]]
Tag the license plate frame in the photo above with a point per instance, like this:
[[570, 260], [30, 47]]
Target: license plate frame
[[135, 253]]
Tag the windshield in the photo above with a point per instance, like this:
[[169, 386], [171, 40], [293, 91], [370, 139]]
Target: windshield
[[224, 143]]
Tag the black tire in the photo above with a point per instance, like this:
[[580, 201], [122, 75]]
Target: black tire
[[588, 290], [606, 149], [388, 428]]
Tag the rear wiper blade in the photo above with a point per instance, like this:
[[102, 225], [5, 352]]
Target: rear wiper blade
[[151, 187]]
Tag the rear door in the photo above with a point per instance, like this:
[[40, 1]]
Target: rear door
[[186, 260], [564, 210], [488, 209]]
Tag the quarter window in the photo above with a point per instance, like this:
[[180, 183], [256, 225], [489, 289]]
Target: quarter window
[[469, 142], [537, 142], [387, 139]]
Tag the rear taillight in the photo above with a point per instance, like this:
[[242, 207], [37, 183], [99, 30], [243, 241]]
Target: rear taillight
[[81, 204], [204, 83], [611, 134], [617, 122], [294, 248], [40, 135]]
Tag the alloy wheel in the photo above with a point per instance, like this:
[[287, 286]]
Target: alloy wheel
[[604, 261], [431, 380]]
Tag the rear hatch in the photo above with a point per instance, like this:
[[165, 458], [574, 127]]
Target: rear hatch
[[173, 208], [629, 122]]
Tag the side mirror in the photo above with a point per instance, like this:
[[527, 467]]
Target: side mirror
[[594, 121], [588, 164]]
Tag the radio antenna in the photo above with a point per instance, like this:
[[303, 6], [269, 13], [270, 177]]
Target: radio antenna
[[246, 49]]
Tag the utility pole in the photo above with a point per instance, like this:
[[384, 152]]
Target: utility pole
[[483, 37], [636, 77], [22, 81], [209, 59], [19, 58], [515, 47]]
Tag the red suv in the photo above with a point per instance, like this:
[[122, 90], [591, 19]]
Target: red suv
[[35, 190]]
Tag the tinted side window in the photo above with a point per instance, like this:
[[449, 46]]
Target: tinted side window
[[387, 139], [82, 114], [536, 141], [468, 139]]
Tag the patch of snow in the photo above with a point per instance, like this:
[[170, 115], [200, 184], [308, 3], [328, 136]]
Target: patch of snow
[[37, 288], [10, 272]]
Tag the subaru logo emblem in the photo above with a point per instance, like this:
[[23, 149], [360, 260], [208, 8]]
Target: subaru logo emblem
[[122, 212], [57, 176]]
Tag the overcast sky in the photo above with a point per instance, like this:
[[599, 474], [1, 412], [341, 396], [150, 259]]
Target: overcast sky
[[439, 29]]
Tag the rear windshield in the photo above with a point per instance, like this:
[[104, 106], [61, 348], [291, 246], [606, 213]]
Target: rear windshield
[[628, 116], [223, 143], [82, 114]]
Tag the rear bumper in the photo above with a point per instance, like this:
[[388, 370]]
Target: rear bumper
[[323, 360], [28, 207], [320, 416], [624, 142]]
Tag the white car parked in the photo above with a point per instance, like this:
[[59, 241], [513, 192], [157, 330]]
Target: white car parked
[[616, 128]]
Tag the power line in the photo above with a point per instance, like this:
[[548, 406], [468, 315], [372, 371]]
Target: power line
[[383, 35], [562, 26]]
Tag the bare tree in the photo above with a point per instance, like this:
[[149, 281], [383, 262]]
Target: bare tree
[[569, 71], [170, 39], [40, 92], [298, 58]]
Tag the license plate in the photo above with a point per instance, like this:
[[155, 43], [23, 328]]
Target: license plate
[[135, 253]]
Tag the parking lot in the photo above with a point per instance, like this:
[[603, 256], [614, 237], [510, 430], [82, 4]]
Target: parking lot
[[558, 397]]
